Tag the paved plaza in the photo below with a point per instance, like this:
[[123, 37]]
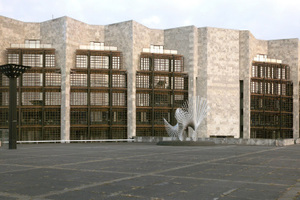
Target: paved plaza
[[132, 171]]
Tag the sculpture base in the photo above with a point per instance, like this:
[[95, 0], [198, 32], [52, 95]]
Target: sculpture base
[[185, 143]]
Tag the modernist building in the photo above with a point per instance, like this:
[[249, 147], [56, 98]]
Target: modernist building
[[120, 80]]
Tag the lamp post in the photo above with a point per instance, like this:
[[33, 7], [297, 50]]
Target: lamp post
[[13, 71]]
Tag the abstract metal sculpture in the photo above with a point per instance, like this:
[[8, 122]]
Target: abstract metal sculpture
[[191, 115]]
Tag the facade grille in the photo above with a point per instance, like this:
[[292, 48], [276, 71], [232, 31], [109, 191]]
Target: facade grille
[[98, 96], [38, 95], [271, 101], [161, 87]]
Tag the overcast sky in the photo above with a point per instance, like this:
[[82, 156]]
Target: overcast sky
[[266, 19]]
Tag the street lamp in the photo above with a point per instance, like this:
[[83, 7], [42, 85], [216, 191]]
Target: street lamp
[[13, 71]]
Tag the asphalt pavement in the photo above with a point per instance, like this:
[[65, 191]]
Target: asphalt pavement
[[134, 171]]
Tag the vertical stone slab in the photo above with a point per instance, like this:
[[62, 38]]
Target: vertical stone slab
[[201, 81], [245, 72], [55, 32], [121, 36], [249, 48], [288, 51], [223, 82]]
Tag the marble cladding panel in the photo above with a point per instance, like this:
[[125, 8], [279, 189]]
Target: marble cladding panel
[[223, 82]]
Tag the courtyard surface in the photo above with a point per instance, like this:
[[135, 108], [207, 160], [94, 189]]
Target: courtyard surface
[[120, 171]]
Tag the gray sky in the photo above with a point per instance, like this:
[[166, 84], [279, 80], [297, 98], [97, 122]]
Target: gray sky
[[266, 19]]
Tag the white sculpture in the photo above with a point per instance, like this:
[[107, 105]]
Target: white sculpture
[[191, 115]]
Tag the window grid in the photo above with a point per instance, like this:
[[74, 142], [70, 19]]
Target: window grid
[[119, 116], [53, 79], [13, 58], [30, 134], [79, 98], [118, 80], [4, 117], [99, 98], [161, 87], [116, 62], [145, 64], [271, 101], [52, 116], [32, 98], [81, 61], [143, 117], [179, 83], [161, 82], [50, 60], [78, 133], [5, 81], [78, 80], [33, 60], [161, 64], [143, 81], [98, 133], [99, 116], [32, 79], [105, 91], [52, 98], [51, 133], [36, 98], [118, 99], [99, 62], [143, 99], [78, 116], [99, 80], [31, 116]]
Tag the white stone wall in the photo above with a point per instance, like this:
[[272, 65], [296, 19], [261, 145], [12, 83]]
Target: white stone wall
[[222, 71]]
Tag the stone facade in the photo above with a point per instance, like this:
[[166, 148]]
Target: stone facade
[[216, 60]]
